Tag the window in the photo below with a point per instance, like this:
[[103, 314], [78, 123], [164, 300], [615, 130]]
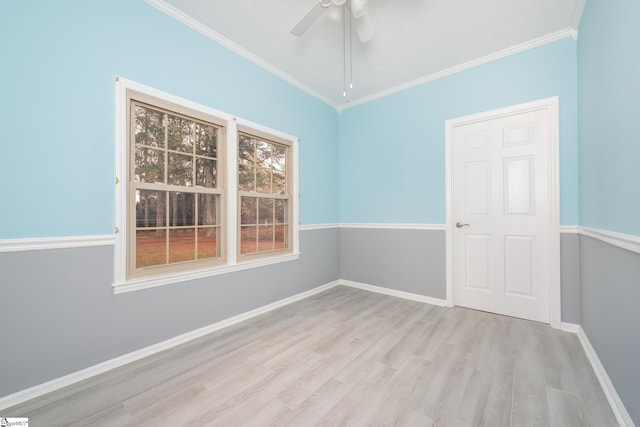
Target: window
[[264, 190], [198, 192], [175, 187]]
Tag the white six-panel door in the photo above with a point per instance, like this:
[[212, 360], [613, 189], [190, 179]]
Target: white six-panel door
[[501, 214]]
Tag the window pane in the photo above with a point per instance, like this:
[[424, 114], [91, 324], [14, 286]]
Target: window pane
[[263, 180], [180, 134], [181, 209], [246, 150], [248, 210], [265, 211], [265, 240], [246, 178], [248, 243], [208, 242], [281, 237], [280, 211], [151, 248], [263, 153], [208, 209], [180, 170], [150, 208], [279, 183], [182, 245], [279, 156], [206, 140], [149, 127], [206, 172], [149, 165]]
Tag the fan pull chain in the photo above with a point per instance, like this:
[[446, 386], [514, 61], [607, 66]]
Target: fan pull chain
[[350, 45], [344, 51]]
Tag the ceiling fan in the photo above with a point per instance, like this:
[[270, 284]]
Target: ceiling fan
[[361, 21]]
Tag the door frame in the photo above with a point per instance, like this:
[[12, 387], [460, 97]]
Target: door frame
[[552, 106]]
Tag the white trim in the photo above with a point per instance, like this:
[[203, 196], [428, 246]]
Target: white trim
[[42, 243], [540, 41], [569, 327], [620, 412], [551, 104], [621, 240], [626, 241], [569, 229], [309, 227], [434, 227], [394, 293], [58, 383], [174, 278], [187, 20], [576, 17]]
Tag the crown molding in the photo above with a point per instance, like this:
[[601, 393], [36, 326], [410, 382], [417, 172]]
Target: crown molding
[[187, 20], [198, 26], [576, 17], [540, 41]]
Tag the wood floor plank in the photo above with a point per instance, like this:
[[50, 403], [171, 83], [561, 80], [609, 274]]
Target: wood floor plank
[[595, 405], [529, 405], [565, 409], [347, 357], [474, 401], [387, 403], [114, 416]]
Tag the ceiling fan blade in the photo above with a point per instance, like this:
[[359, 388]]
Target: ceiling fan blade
[[309, 18], [364, 27]]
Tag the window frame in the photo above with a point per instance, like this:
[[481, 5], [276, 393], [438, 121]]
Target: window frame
[[229, 210], [272, 139], [158, 104]]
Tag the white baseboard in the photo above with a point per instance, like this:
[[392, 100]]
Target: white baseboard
[[569, 327], [394, 293], [67, 380], [620, 412]]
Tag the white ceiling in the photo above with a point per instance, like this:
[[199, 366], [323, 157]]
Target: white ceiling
[[415, 40]]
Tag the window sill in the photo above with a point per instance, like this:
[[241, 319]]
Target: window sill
[[121, 287]]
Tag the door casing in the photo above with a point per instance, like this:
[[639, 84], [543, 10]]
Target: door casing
[[552, 105]]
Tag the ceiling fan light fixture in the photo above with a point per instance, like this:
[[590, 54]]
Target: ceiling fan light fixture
[[364, 28], [358, 8], [338, 2]]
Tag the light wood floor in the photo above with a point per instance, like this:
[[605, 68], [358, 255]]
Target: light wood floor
[[347, 357]]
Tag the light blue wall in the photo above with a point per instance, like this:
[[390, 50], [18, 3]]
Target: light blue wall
[[392, 150], [59, 60], [609, 95], [609, 82]]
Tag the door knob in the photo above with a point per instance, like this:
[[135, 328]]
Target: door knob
[[460, 225]]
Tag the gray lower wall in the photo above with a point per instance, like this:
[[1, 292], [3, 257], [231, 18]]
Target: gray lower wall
[[415, 261], [59, 313], [610, 282], [405, 260], [570, 277]]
